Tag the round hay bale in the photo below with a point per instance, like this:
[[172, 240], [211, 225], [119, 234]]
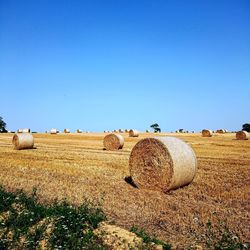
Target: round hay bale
[[115, 131], [220, 131], [113, 142], [53, 131], [26, 130], [19, 130], [126, 130], [23, 141], [66, 130], [207, 133], [78, 131], [121, 130], [242, 135], [133, 133], [162, 163]]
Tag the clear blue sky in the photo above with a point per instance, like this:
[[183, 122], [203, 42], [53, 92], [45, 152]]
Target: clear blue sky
[[100, 65]]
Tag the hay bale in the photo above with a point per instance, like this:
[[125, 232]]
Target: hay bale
[[78, 131], [242, 135], [113, 142], [53, 131], [115, 131], [26, 130], [121, 130], [19, 130], [126, 130], [133, 133], [66, 130], [162, 163], [220, 131], [207, 133], [23, 141]]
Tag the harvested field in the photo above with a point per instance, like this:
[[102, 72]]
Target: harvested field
[[219, 192]]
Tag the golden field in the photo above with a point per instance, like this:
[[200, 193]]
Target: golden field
[[75, 167]]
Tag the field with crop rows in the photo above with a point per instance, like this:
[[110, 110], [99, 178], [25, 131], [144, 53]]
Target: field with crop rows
[[75, 167]]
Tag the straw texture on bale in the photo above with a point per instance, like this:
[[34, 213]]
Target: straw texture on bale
[[113, 142], [162, 163], [53, 131], [242, 135], [206, 133], [23, 141], [66, 130], [133, 133]]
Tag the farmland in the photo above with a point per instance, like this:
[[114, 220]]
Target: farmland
[[75, 167]]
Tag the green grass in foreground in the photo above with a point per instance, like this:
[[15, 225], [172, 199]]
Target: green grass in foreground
[[26, 224]]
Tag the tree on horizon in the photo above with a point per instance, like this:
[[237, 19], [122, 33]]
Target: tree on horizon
[[2, 126]]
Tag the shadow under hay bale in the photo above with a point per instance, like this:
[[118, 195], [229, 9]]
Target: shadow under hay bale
[[130, 181], [23, 141], [162, 163]]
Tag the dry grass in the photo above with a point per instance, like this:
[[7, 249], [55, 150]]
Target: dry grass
[[74, 166]]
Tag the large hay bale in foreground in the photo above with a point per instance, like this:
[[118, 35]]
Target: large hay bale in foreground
[[113, 142], [162, 163], [53, 131], [66, 130], [206, 133], [133, 133], [242, 135], [23, 141]]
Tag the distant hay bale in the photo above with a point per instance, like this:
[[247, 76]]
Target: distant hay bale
[[115, 131], [66, 130], [133, 133], [220, 131], [207, 133], [113, 142], [162, 163], [242, 135], [126, 130], [78, 131], [121, 130], [26, 130], [23, 141], [53, 131]]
